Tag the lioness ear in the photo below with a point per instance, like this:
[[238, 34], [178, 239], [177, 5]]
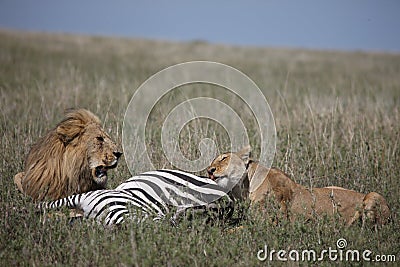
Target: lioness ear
[[69, 129], [244, 154]]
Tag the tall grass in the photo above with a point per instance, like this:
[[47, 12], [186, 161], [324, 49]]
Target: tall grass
[[337, 118]]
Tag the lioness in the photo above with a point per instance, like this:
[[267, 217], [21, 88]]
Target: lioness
[[72, 158], [294, 199]]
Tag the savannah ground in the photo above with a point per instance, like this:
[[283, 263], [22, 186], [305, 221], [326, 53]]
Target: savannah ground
[[337, 117]]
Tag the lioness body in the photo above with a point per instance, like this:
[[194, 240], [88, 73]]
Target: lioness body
[[72, 158], [294, 199]]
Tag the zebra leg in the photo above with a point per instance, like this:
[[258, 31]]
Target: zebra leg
[[175, 218]]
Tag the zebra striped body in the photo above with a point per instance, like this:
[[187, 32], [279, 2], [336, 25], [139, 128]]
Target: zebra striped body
[[150, 194]]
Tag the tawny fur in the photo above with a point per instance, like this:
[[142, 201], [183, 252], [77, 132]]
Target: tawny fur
[[294, 199], [64, 161]]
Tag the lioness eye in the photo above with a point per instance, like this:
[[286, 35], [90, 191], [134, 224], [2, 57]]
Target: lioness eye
[[100, 138], [224, 158]]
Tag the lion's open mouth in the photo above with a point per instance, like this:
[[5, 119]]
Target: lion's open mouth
[[100, 172]]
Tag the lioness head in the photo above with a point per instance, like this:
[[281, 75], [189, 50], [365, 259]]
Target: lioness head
[[72, 158], [229, 169]]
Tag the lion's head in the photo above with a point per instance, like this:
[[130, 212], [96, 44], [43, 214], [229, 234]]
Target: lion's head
[[72, 158], [229, 169]]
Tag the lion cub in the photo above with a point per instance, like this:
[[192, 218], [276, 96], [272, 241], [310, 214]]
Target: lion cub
[[248, 179]]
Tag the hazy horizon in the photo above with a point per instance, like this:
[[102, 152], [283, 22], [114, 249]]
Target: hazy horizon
[[340, 25]]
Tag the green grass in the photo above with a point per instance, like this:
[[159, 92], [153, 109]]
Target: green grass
[[337, 117]]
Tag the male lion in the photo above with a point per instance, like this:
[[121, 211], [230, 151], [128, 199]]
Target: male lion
[[72, 158], [258, 183]]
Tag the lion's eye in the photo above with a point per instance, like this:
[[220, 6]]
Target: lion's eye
[[100, 138], [224, 158]]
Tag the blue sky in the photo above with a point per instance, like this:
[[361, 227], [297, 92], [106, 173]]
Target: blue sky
[[345, 25]]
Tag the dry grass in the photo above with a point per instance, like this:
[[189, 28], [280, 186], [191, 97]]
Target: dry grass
[[337, 117]]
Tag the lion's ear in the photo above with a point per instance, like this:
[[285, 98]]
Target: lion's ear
[[244, 154], [68, 130]]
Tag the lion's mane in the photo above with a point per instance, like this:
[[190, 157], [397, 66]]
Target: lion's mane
[[57, 165]]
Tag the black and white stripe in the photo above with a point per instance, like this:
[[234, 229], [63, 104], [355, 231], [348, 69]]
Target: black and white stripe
[[152, 194]]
